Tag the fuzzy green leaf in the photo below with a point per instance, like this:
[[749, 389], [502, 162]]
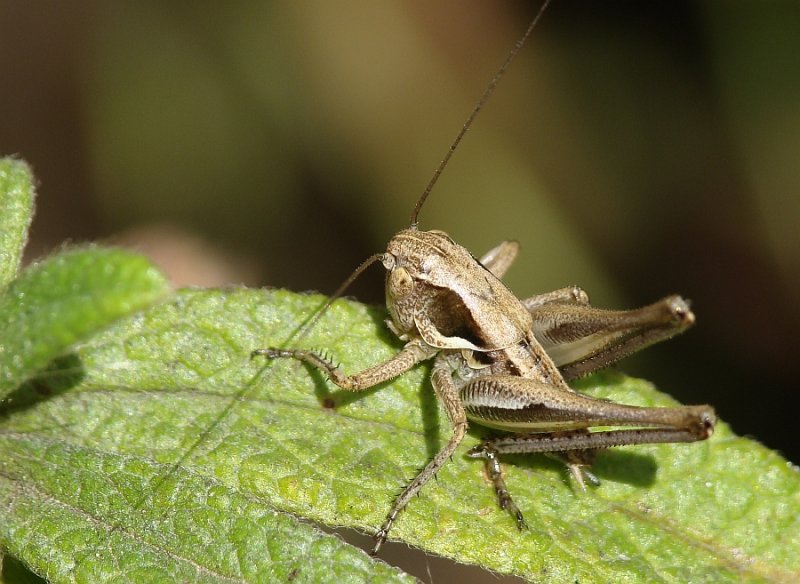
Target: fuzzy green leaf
[[163, 452], [63, 299], [16, 212]]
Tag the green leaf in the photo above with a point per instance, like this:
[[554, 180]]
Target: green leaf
[[173, 455], [63, 299], [16, 212]]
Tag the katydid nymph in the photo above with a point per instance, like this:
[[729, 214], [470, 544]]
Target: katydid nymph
[[505, 363]]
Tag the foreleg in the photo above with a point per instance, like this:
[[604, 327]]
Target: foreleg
[[412, 353]]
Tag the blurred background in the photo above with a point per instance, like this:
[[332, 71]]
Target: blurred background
[[636, 149]]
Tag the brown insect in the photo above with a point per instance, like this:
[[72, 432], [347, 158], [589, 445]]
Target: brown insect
[[503, 362]]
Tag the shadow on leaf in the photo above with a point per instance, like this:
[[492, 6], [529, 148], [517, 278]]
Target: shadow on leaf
[[60, 376], [619, 466]]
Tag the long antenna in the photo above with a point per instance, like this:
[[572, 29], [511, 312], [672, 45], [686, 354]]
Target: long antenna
[[309, 325], [478, 106]]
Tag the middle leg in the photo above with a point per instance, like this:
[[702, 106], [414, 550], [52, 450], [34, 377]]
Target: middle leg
[[442, 381]]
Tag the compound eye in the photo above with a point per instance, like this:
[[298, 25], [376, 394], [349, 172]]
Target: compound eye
[[400, 283], [388, 261]]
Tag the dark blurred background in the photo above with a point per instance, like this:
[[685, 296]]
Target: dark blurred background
[[635, 148]]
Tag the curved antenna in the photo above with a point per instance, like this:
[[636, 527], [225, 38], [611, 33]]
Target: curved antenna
[[309, 324], [478, 106]]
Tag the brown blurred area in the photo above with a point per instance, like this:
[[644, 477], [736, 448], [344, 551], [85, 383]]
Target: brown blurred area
[[637, 149]]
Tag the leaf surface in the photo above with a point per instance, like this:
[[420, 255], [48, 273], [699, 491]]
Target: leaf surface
[[65, 298], [164, 452]]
